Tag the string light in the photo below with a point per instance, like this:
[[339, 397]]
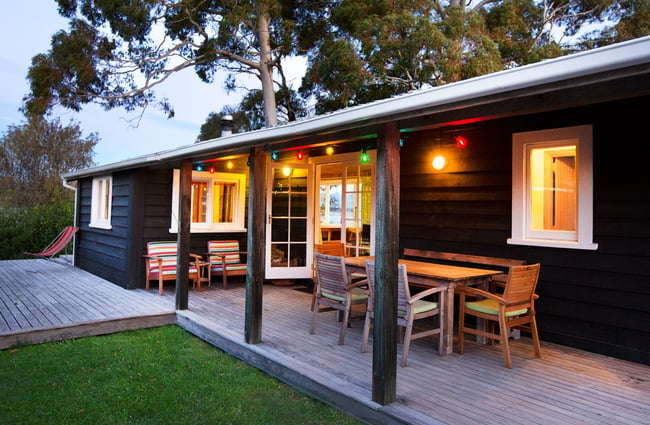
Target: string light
[[229, 165], [461, 142], [364, 157], [438, 162], [211, 170], [329, 150], [274, 155], [199, 167], [300, 155]]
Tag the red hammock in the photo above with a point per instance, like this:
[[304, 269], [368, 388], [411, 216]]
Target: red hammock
[[57, 244]]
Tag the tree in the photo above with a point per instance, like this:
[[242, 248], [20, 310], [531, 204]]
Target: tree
[[378, 48], [211, 128], [117, 52], [33, 155]]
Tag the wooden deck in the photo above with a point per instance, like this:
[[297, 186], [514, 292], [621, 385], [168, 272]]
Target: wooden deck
[[566, 386]]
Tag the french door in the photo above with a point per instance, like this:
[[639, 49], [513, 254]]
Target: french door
[[289, 231]]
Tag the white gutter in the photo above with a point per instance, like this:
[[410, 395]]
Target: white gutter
[[609, 58]]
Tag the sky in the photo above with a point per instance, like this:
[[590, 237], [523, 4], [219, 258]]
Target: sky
[[27, 30]]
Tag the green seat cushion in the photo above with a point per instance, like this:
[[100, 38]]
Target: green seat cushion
[[356, 294], [421, 306], [491, 307]]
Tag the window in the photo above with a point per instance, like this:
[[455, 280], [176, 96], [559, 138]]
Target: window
[[100, 207], [552, 188], [217, 202]]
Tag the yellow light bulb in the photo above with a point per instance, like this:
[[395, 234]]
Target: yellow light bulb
[[439, 162]]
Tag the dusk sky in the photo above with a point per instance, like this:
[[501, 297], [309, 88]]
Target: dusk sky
[[27, 30]]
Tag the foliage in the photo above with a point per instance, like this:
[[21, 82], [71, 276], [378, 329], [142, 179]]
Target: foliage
[[32, 228], [33, 155], [375, 49], [114, 53], [211, 128], [155, 376]]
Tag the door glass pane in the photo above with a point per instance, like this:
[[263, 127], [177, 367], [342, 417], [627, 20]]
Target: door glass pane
[[280, 205], [199, 201], [279, 229], [298, 255], [298, 230], [299, 205]]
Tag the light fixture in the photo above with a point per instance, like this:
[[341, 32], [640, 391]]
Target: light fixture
[[439, 162], [364, 157], [286, 171], [229, 165], [461, 142], [274, 155], [199, 167], [212, 170], [329, 150], [300, 155]]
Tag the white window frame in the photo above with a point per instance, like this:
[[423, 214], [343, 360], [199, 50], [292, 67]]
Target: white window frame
[[239, 201], [102, 202], [522, 143]]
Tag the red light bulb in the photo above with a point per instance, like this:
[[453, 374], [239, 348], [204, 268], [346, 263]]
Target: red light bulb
[[461, 142]]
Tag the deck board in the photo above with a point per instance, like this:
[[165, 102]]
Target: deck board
[[565, 386]]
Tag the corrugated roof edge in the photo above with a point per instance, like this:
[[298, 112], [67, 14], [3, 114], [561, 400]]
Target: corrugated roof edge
[[604, 59]]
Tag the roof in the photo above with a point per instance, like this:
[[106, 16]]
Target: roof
[[609, 59]]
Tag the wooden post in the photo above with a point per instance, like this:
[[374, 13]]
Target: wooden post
[[255, 245], [384, 359], [183, 238]]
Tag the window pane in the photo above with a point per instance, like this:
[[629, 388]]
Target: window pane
[[223, 201], [199, 201], [553, 196]]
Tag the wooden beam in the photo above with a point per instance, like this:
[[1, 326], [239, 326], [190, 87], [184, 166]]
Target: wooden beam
[[384, 362], [255, 246], [183, 238]]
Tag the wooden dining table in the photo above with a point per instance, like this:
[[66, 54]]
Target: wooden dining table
[[432, 275]]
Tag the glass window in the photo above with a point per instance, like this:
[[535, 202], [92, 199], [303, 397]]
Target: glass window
[[552, 188], [218, 202], [101, 203]]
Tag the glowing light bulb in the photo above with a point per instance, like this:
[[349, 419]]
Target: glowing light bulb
[[274, 156], [229, 165], [329, 150], [300, 155], [439, 162], [461, 142], [364, 157]]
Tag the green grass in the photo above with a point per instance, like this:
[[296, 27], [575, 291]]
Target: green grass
[[155, 376]]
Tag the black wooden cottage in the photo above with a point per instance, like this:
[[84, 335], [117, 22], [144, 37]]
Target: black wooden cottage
[[584, 114]]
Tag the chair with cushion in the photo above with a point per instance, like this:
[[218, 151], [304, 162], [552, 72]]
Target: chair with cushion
[[160, 263], [335, 290], [514, 308], [225, 259], [409, 309], [337, 249]]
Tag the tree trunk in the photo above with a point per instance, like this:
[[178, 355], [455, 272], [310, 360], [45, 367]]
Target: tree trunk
[[266, 69]]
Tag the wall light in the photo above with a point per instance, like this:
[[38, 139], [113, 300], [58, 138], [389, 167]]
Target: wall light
[[439, 162]]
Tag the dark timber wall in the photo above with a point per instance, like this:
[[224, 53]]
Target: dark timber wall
[[595, 300]]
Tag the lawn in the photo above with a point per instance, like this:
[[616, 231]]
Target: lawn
[[155, 376]]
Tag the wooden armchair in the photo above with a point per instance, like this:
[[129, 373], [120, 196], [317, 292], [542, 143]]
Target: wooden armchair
[[225, 259], [335, 291], [409, 309], [337, 249], [160, 263], [515, 308]]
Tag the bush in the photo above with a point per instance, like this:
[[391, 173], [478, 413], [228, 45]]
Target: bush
[[33, 228]]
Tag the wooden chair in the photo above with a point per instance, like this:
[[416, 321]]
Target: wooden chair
[[225, 259], [409, 309], [337, 249], [57, 245], [514, 308], [160, 263], [335, 291]]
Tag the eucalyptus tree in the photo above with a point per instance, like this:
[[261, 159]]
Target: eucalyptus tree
[[378, 48], [116, 52]]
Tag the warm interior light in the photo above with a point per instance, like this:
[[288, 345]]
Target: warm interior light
[[439, 162], [461, 142], [286, 171], [329, 150]]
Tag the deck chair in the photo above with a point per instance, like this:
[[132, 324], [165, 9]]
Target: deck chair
[[337, 249], [409, 309], [225, 259], [514, 308], [160, 263], [57, 245], [335, 291]]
